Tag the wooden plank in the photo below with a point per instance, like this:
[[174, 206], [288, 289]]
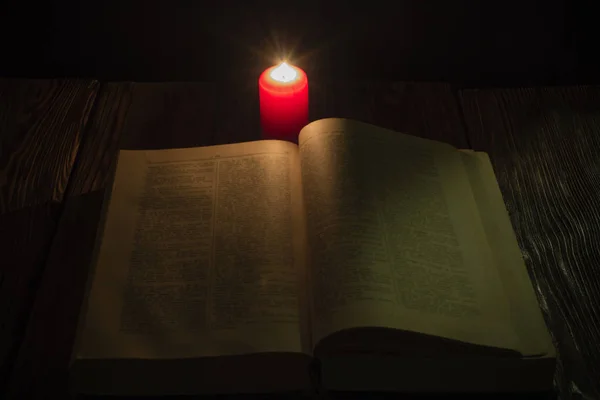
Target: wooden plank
[[428, 110], [40, 125], [43, 358], [26, 237], [101, 140], [170, 115], [545, 147], [163, 115]]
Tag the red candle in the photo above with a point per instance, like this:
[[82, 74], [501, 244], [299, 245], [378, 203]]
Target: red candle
[[283, 94]]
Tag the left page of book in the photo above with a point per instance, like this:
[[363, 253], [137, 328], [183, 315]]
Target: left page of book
[[202, 254]]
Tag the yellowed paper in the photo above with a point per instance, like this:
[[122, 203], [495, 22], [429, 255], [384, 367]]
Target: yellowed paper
[[202, 255], [395, 237]]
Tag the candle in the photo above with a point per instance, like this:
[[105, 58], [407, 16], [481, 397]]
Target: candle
[[283, 95]]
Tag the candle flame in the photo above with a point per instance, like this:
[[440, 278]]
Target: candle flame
[[284, 73]]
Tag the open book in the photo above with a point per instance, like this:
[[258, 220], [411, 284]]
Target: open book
[[388, 258]]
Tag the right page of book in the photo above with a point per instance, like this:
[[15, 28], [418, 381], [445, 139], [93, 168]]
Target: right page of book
[[396, 239], [525, 311]]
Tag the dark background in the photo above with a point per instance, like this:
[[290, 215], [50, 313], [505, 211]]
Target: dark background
[[478, 42]]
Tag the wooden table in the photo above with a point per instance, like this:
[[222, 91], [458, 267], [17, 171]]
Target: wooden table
[[59, 137]]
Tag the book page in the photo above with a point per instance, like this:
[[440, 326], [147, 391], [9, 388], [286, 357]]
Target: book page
[[202, 254], [525, 311], [395, 238]]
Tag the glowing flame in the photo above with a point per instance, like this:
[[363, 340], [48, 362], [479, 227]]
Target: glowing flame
[[284, 73]]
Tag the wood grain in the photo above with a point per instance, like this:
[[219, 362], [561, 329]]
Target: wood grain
[[101, 140], [428, 110], [43, 358], [40, 127], [545, 148]]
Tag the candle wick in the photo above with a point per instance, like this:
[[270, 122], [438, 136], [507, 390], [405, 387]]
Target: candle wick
[[283, 73]]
